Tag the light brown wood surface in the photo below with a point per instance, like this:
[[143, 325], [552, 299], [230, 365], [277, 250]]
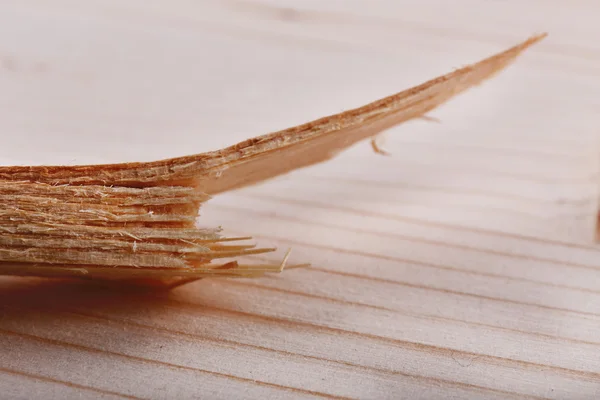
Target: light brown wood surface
[[462, 266]]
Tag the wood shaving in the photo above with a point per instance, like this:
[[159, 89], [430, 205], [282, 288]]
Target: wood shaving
[[136, 221]]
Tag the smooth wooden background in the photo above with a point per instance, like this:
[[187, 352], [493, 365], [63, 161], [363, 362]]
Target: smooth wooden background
[[462, 267]]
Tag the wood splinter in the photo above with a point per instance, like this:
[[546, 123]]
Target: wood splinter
[[135, 222]]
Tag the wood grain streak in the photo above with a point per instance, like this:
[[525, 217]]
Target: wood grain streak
[[417, 262], [422, 315], [418, 221], [409, 238], [448, 190], [148, 361], [454, 292], [592, 376], [128, 323], [69, 384]]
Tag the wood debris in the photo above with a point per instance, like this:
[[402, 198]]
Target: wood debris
[[137, 221]]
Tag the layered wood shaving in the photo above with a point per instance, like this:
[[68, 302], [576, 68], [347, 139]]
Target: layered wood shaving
[[138, 220], [113, 232]]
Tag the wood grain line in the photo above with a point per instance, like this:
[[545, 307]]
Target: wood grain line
[[565, 158], [486, 172], [127, 322], [422, 347], [422, 222], [450, 190], [65, 383], [61, 343], [424, 264], [471, 207], [408, 238], [567, 311], [403, 312], [494, 360], [421, 263]]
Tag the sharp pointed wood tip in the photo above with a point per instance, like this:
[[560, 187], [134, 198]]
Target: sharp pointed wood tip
[[536, 38], [516, 50]]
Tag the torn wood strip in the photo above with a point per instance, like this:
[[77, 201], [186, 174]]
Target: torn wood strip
[[137, 220]]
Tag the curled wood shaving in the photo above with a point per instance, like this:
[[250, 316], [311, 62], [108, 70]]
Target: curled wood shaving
[[136, 221]]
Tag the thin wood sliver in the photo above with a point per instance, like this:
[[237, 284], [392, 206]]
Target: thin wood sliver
[[146, 213]]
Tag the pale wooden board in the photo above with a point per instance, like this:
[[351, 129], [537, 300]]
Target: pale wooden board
[[461, 267]]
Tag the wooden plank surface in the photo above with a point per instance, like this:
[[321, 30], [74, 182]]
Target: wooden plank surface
[[463, 266]]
